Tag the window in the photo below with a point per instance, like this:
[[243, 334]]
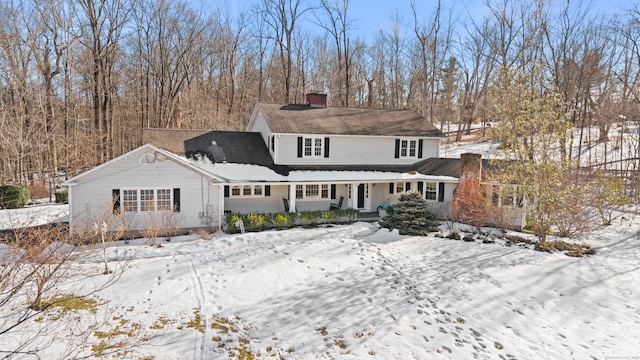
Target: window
[[325, 191], [148, 200], [430, 191], [130, 200], [313, 147], [164, 200], [399, 187], [409, 148], [247, 190], [312, 191]]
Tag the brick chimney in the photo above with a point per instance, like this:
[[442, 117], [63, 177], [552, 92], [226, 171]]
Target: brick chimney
[[316, 99], [470, 167]]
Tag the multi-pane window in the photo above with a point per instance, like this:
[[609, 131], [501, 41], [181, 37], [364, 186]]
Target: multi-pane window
[[247, 190], [313, 147], [146, 200], [325, 191], [399, 187], [312, 191], [163, 200], [408, 148], [430, 191], [130, 200]]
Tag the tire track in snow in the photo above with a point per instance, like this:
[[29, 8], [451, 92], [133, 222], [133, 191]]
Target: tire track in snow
[[198, 293]]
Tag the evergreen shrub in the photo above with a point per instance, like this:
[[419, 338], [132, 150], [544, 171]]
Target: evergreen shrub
[[410, 215], [13, 196]]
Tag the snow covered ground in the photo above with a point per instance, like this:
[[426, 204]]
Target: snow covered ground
[[359, 292]]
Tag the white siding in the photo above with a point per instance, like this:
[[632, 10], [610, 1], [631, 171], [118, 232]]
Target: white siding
[[260, 125], [348, 150], [91, 196], [265, 204]]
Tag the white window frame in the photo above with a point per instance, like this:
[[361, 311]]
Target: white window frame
[[431, 188], [308, 191], [127, 200], [399, 187], [314, 148], [408, 148], [246, 191]]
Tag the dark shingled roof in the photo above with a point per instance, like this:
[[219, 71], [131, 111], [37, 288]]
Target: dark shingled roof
[[231, 147], [302, 119], [171, 140]]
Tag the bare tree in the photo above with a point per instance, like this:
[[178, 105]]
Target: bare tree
[[103, 24], [282, 16]]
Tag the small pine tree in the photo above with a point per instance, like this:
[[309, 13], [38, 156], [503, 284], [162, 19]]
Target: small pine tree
[[410, 215], [13, 196]]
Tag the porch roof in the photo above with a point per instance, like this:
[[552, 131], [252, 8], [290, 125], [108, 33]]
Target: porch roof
[[247, 173]]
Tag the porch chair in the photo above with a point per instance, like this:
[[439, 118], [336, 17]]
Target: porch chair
[[285, 201], [338, 206]]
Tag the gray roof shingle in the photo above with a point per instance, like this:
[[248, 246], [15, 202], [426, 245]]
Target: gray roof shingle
[[302, 119]]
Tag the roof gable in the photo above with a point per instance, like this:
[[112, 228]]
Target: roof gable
[[142, 150], [302, 119]]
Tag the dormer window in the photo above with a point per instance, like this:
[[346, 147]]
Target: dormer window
[[313, 147], [407, 148]]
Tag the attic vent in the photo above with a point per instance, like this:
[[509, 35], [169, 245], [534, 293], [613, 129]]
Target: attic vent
[[147, 158], [316, 99]]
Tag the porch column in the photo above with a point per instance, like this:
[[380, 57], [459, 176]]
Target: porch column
[[354, 196], [220, 205], [292, 197]]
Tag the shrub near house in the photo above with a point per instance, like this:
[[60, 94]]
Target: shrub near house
[[410, 215], [13, 196]]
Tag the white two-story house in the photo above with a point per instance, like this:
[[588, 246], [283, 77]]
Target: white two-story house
[[290, 158]]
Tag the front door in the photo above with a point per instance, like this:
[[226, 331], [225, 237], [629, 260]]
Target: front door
[[361, 195]]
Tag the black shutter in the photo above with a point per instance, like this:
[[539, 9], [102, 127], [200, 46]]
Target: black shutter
[[273, 143], [333, 191], [299, 146], [326, 147], [441, 192], [420, 187], [397, 149], [176, 200], [420, 144], [391, 186], [267, 190], [407, 186], [115, 199], [226, 191]]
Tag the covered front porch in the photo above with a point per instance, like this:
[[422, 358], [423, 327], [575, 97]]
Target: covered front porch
[[366, 196]]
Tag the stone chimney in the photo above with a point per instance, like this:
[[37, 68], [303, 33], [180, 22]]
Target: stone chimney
[[316, 99], [470, 167]]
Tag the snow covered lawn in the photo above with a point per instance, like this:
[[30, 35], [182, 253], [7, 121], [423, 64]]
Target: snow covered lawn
[[360, 292]]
